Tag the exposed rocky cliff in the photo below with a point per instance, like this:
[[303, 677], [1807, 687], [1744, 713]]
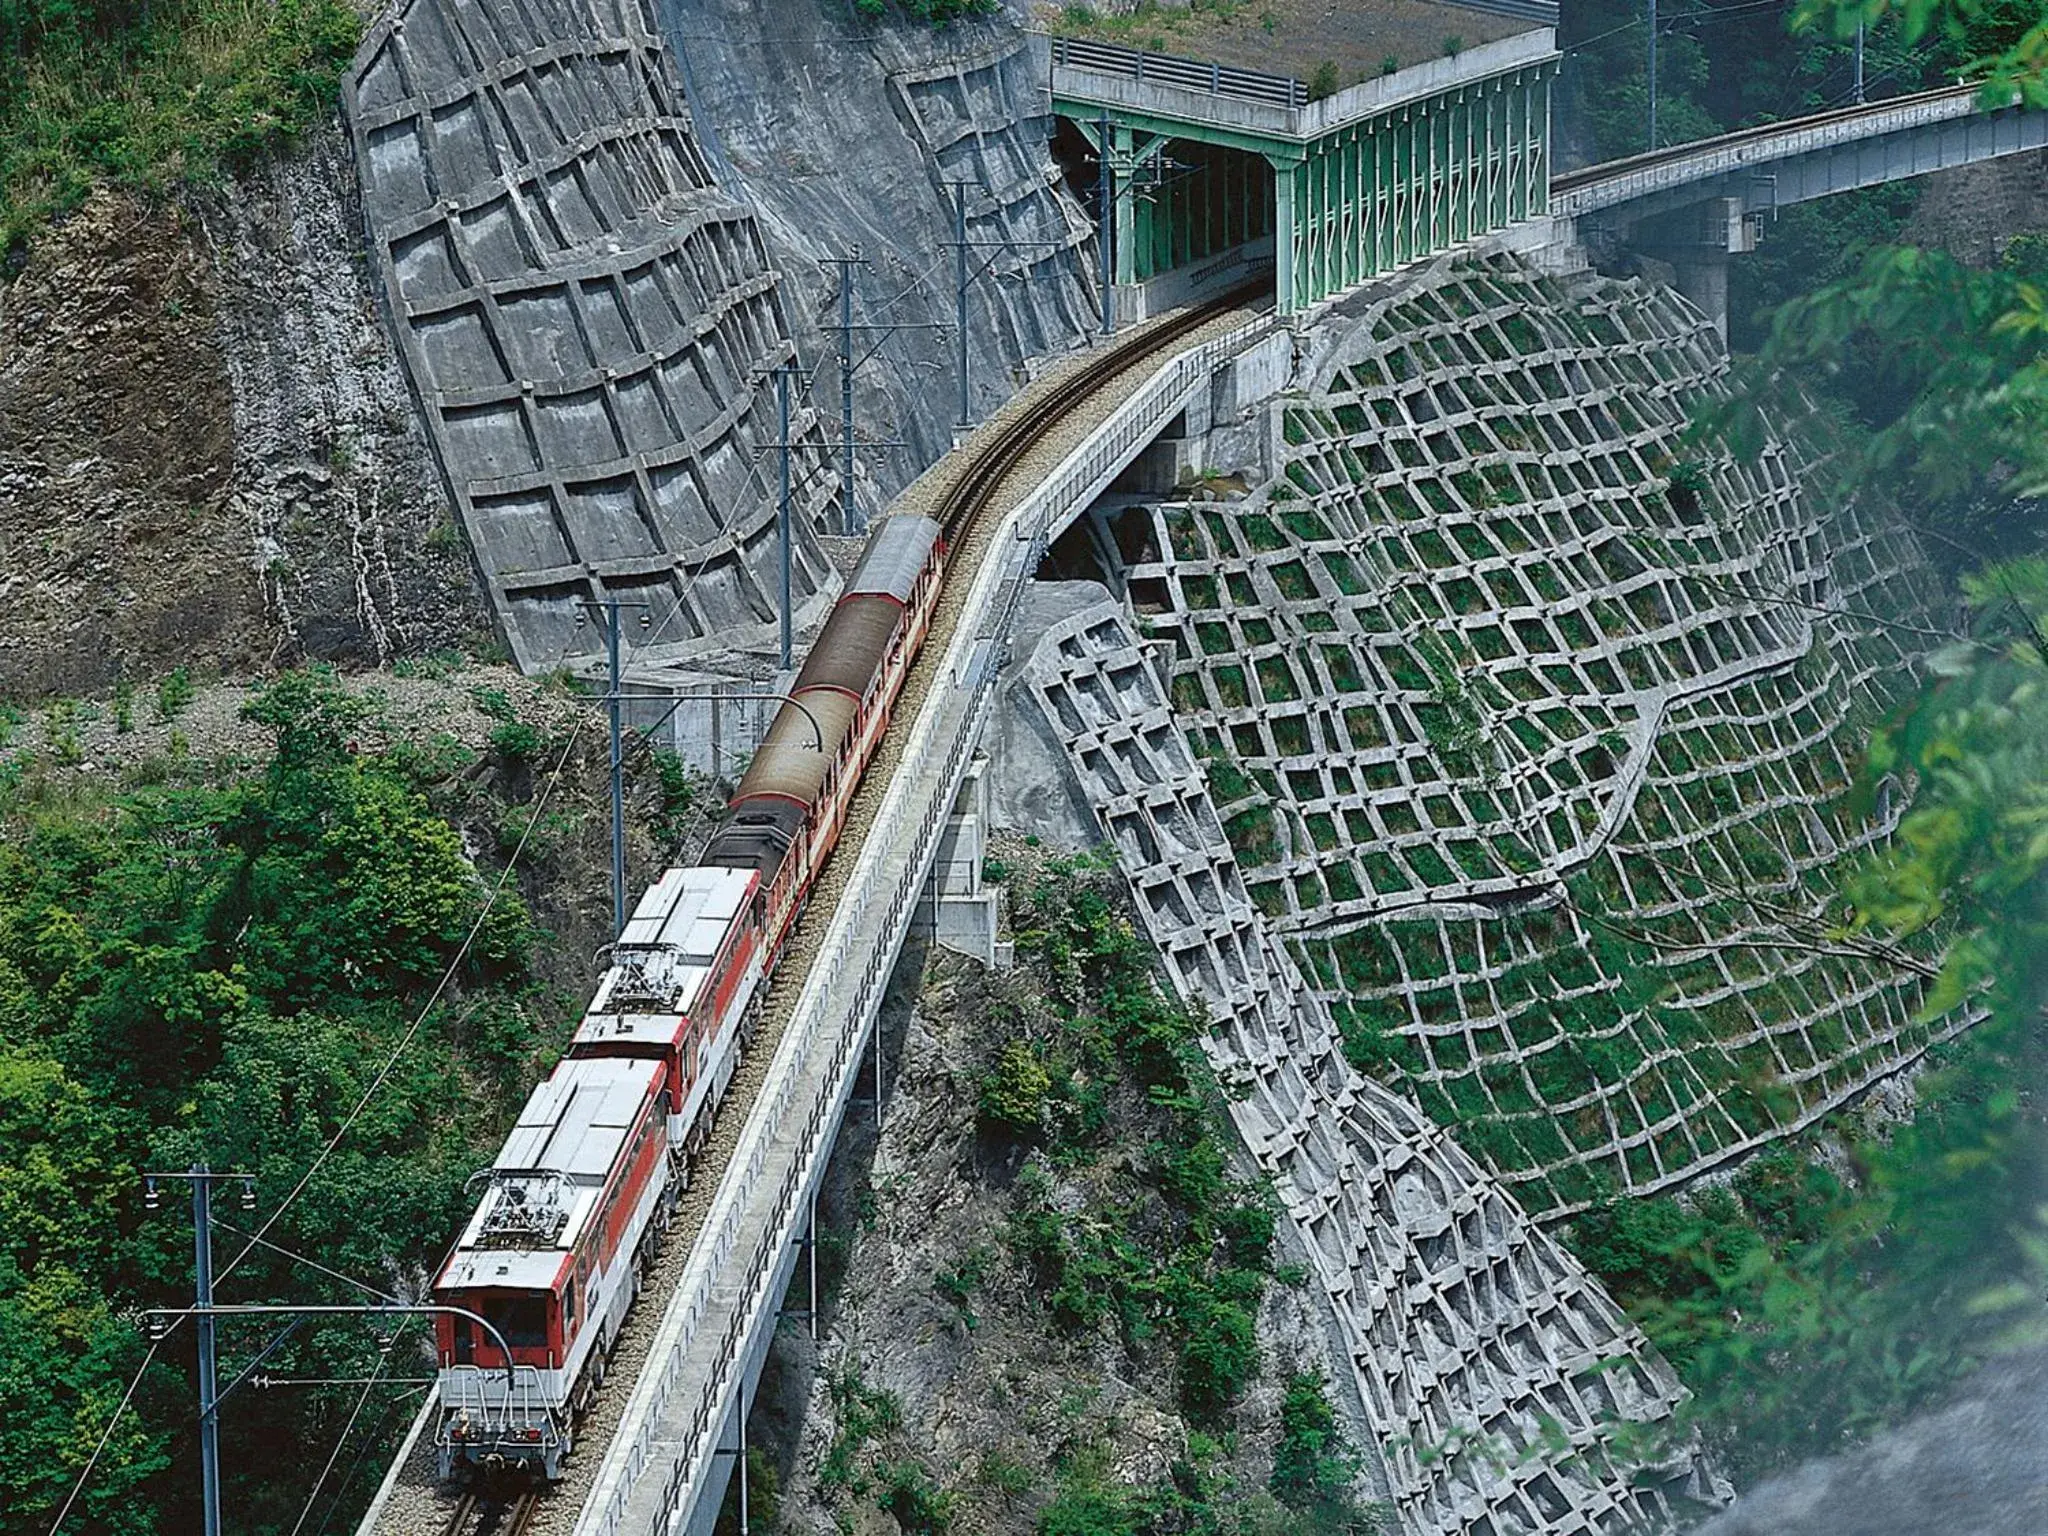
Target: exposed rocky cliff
[[207, 454]]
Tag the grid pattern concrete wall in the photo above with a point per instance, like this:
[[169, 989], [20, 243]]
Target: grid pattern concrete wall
[[966, 114], [1538, 765], [585, 319], [1492, 1371]]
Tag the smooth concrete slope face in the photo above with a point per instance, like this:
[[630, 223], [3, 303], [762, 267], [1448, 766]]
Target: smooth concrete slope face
[[845, 135], [1492, 1372], [1536, 763], [587, 319]]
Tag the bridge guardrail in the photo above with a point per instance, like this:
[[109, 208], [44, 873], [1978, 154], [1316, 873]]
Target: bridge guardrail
[[1169, 69], [997, 590]]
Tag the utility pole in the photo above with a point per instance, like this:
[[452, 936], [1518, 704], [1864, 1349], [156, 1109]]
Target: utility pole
[[961, 244], [783, 373], [1653, 73], [202, 1180], [960, 283], [608, 609], [1859, 63], [849, 519], [1105, 221], [782, 515]]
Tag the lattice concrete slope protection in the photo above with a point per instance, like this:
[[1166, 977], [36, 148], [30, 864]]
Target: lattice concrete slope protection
[[1537, 767], [1491, 1369], [584, 316]]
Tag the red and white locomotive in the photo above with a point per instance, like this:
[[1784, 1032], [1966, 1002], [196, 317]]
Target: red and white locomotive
[[577, 1200]]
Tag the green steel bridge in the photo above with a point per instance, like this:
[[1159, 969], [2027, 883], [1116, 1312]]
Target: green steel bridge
[[1215, 172]]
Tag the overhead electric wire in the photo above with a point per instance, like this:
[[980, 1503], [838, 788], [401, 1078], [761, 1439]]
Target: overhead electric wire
[[347, 1429]]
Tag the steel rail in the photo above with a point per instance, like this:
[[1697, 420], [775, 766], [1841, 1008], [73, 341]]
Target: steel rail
[[1607, 170]]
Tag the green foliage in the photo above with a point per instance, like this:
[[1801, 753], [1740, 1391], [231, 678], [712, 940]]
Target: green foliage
[[1180, 1251], [173, 693], [679, 788], [1324, 81], [764, 1497], [1314, 1465], [1801, 1308], [1946, 367], [157, 96], [216, 966], [1014, 1092], [938, 14], [906, 1491], [959, 1283]]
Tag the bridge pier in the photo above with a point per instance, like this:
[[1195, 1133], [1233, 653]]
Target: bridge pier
[[1697, 244]]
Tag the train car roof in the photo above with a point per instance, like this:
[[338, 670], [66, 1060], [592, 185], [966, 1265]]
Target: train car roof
[[848, 653], [788, 762], [896, 555], [547, 1180]]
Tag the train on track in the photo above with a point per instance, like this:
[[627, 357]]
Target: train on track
[[572, 1211]]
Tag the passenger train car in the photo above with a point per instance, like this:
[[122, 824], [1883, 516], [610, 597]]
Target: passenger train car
[[574, 1206]]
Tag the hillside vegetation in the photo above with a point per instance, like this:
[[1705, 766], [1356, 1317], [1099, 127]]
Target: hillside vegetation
[[288, 966], [156, 96]]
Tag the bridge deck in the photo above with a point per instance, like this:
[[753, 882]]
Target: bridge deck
[[1775, 164]]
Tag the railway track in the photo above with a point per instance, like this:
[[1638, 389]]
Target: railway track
[[958, 494], [480, 1514], [1607, 170]]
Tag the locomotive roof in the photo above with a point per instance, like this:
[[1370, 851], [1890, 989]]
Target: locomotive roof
[[574, 1125], [575, 1122], [663, 959], [897, 552], [688, 913]]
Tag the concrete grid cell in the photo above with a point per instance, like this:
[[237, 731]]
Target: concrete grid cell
[[588, 322]]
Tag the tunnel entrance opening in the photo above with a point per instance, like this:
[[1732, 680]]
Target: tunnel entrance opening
[[1191, 219]]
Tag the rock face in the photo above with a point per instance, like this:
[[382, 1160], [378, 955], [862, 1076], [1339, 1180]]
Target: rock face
[[927, 1311], [1971, 1468], [846, 136], [207, 455]]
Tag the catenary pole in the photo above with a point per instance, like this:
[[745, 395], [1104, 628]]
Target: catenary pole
[[1105, 223], [960, 284], [202, 1296], [849, 519], [203, 1312], [1653, 73], [782, 517]]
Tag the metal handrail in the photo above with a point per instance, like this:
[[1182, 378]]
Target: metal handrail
[[1136, 419], [1148, 68]]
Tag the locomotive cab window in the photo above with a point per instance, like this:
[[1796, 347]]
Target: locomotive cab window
[[523, 1320]]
